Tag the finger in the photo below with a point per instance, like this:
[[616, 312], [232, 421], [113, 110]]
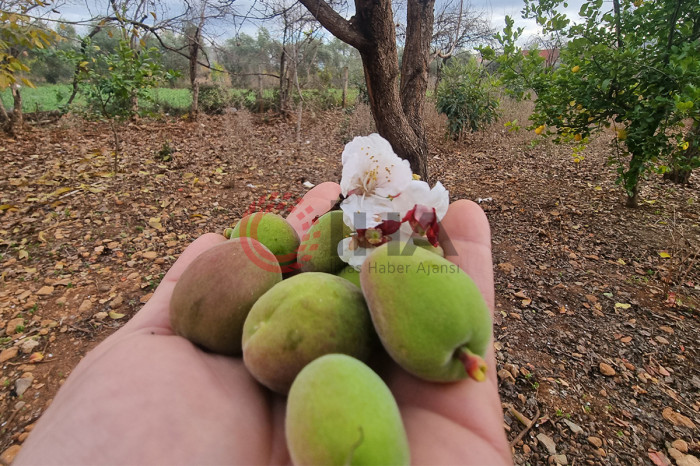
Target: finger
[[315, 203], [155, 312], [466, 235], [466, 238], [467, 412]]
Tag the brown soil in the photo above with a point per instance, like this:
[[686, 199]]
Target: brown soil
[[597, 317]]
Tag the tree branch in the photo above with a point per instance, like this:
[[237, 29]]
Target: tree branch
[[336, 24]]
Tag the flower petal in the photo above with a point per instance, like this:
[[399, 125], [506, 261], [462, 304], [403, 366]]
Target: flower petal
[[371, 167]]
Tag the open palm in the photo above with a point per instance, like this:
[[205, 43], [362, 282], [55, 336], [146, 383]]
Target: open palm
[[147, 396]]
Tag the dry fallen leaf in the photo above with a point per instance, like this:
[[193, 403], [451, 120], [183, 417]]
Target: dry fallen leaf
[[659, 459], [154, 222], [677, 419], [115, 315]]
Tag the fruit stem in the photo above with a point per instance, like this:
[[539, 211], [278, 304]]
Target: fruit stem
[[228, 232], [473, 364]]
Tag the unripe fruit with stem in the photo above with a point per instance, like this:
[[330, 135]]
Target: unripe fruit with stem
[[339, 412], [428, 313]]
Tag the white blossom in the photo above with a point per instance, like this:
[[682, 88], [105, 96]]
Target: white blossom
[[380, 191], [371, 168]]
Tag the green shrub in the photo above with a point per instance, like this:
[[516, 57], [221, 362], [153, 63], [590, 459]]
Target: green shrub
[[467, 95], [213, 99]]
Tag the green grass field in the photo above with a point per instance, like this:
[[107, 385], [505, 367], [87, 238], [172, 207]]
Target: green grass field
[[49, 97]]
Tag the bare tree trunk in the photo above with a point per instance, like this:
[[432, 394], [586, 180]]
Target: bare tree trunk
[[394, 115], [17, 120], [414, 74], [260, 89], [5, 122], [290, 81], [194, 47], [282, 86], [397, 115], [194, 109], [345, 87], [117, 145]]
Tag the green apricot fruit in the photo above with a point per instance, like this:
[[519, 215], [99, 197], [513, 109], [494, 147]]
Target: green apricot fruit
[[428, 313], [349, 273], [300, 319], [425, 244], [339, 412], [212, 298], [318, 251], [274, 232]]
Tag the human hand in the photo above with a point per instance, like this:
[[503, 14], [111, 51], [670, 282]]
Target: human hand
[[147, 396]]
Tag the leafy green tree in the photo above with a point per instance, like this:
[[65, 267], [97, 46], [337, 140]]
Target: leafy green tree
[[467, 94], [19, 33], [112, 82], [50, 64], [636, 66]]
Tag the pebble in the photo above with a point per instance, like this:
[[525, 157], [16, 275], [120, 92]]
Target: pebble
[[8, 354], [526, 449], [12, 325], [559, 459], [8, 456], [85, 306], [117, 302], [150, 255], [45, 290], [606, 369], [548, 443], [505, 376], [574, 428], [101, 315], [61, 301], [595, 441], [22, 384], [28, 345]]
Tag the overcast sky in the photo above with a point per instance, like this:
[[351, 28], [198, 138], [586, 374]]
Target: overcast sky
[[495, 10]]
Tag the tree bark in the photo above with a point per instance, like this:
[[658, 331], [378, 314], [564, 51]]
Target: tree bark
[[282, 86], [5, 121], [17, 119], [260, 89], [345, 87], [414, 73], [397, 108], [194, 46]]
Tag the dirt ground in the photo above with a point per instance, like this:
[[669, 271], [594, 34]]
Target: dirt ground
[[597, 311]]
